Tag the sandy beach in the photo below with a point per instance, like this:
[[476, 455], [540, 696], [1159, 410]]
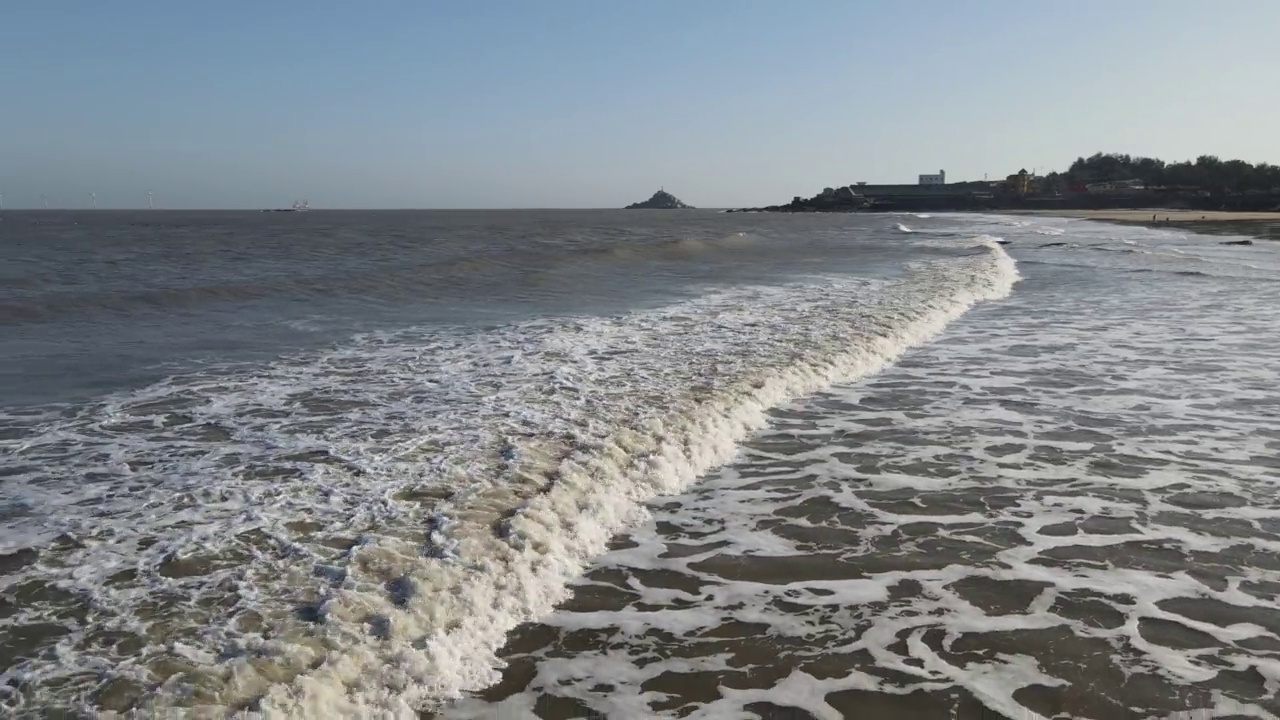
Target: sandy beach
[[1145, 216], [1260, 225]]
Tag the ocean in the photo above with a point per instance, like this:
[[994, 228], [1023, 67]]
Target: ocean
[[637, 464]]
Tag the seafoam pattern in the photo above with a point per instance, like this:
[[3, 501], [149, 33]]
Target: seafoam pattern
[[352, 533], [1065, 507]]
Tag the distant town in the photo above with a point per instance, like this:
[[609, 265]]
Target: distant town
[[1100, 182]]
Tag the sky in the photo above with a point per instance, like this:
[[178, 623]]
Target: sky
[[583, 103]]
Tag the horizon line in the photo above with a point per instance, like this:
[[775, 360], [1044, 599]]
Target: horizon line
[[328, 209]]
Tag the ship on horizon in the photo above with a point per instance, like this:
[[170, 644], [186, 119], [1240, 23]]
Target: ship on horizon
[[300, 206]]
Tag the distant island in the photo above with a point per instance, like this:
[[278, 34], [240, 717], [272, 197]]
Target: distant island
[[1099, 182], [661, 200]]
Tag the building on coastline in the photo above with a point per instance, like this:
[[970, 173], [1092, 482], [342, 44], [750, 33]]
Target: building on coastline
[[1115, 186], [1019, 182], [930, 192]]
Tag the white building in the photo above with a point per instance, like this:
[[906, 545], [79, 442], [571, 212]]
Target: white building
[[939, 179]]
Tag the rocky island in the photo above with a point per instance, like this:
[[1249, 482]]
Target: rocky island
[[661, 200]]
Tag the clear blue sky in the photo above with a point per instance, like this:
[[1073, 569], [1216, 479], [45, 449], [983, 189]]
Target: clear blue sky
[[588, 103]]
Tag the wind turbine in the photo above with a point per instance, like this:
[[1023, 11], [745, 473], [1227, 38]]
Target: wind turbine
[[1, 201], [93, 197], [151, 201], [45, 198]]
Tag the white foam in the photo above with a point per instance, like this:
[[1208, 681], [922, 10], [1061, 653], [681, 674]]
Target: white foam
[[259, 492], [594, 498], [1109, 449]]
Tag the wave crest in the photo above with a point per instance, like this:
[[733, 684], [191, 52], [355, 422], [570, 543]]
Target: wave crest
[[383, 514]]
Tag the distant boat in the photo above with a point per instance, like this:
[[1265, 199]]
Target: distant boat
[[302, 206]]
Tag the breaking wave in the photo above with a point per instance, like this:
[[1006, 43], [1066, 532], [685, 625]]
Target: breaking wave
[[354, 532]]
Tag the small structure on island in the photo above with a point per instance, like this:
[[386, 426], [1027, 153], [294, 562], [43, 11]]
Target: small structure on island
[[661, 200]]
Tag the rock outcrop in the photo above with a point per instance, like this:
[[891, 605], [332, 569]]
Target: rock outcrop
[[661, 200], [844, 199]]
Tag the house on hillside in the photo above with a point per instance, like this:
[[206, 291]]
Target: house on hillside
[[1019, 182]]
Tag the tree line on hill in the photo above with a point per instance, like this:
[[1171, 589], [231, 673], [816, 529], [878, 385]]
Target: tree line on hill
[[1207, 173], [1100, 181]]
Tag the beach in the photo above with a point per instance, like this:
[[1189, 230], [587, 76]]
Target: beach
[[636, 465], [1145, 216], [1053, 509], [1255, 225]]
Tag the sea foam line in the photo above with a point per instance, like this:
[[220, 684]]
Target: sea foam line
[[448, 633]]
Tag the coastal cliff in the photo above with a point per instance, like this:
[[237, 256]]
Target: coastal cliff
[[1100, 182], [661, 200], [966, 198]]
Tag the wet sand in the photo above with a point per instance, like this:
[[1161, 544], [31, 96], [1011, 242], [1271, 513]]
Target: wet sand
[[1262, 225], [1144, 216], [1062, 508]]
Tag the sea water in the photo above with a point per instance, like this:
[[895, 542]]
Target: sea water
[[635, 464]]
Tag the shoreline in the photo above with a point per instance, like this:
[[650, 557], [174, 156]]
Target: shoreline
[[1162, 216], [1259, 225]]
